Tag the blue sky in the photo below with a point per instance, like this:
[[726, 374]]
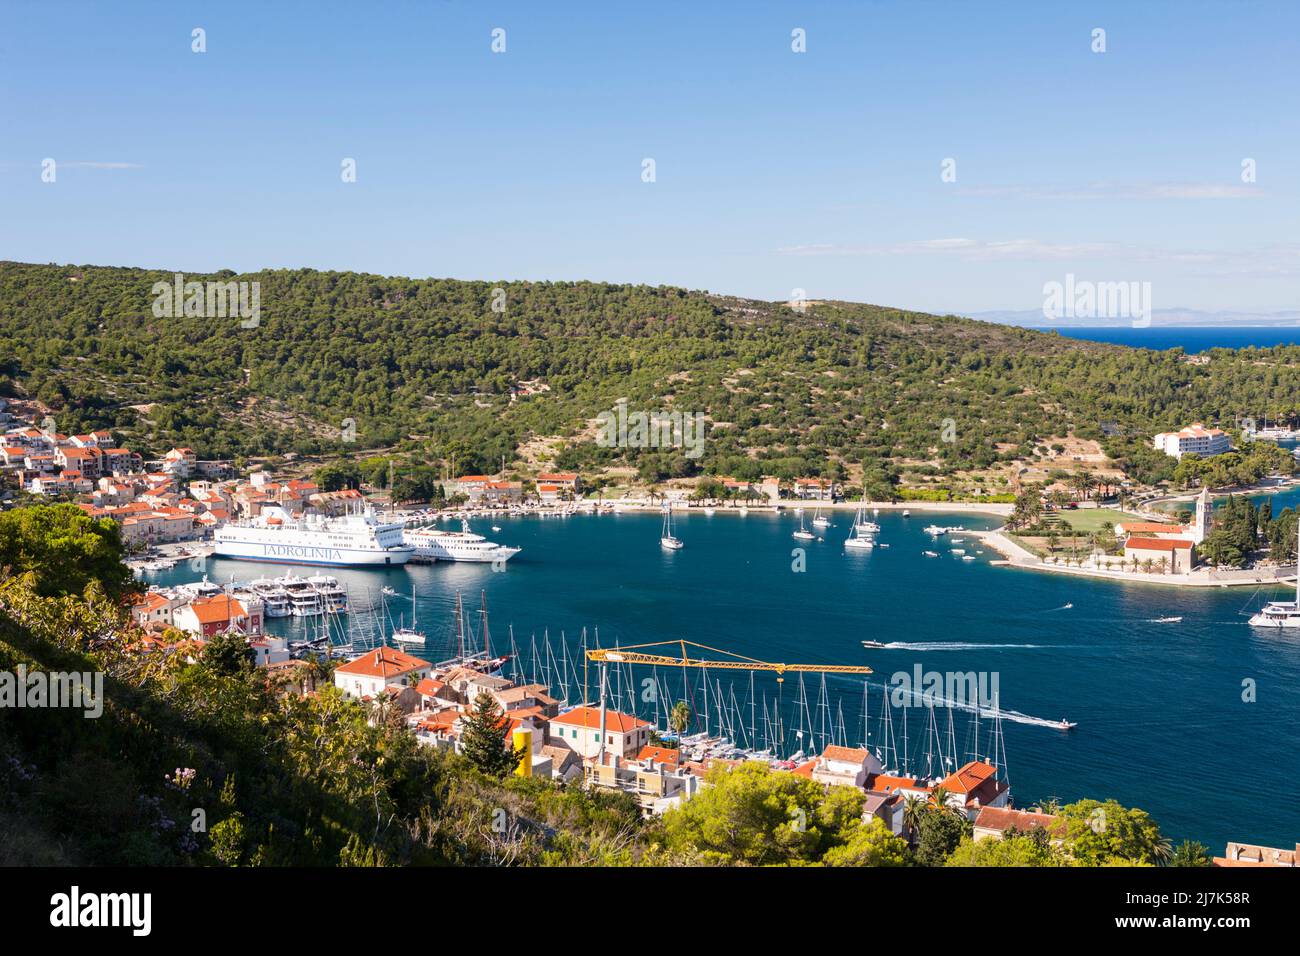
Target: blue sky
[[774, 170]]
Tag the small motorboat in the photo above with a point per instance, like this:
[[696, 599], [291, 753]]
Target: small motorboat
[[388, 592], [930, 554], [906, 513], [1166, 620], [496, 527], [1064, 724], [872, 644]]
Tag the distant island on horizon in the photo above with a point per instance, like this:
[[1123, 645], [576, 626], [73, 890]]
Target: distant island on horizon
[[1160, 318]]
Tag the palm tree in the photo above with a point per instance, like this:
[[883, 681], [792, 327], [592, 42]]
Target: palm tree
[[679, 718], [381, 707], [310, 670], [940, 796], [914, 810], [1162, 851]]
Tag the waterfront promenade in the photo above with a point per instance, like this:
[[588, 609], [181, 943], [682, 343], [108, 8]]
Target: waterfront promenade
[[1017, 556]]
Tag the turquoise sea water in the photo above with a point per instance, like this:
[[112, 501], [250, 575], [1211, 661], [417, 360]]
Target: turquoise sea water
[[1162, 722]]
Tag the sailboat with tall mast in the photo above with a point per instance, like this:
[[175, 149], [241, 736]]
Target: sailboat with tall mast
[[819, 519], [667, 540], [803, 534], [860, 522], [860, 537], [409, 635]]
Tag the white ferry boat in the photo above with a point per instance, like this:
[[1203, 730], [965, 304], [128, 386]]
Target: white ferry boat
[[430, 544], [360, 539]]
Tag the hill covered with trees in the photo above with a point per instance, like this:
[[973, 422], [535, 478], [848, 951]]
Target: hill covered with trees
[[468, 372]]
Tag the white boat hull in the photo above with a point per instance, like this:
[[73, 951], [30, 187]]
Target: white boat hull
[[243, 550], [1288, 621]]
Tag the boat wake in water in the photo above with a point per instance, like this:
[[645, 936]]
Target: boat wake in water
[[945, 646], [922, 699]]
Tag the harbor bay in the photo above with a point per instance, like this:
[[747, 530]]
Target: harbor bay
[[1156, 703]]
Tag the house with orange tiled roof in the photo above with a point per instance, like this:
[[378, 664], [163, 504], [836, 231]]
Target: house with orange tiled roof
[[658, 784], [845, 766], [374, 670], [568, 480], [1173, 555], [1152, 529], [88, 461], [886, 796], [565, 764], [1194, 439], [997, 822], [206, 616], [885, 807], [180, 462], [440, 728], [579, 730], [471, 486], [526, 697], [1248, 854], [156, 607], [497, 492], [976, 785], [670, 757]]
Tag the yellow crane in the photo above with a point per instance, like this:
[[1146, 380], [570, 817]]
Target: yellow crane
[[637, 654], [634, 654]]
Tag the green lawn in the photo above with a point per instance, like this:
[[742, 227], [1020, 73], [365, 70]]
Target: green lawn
[[1091, 519]]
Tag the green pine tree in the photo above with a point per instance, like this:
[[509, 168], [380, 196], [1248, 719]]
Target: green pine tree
[[482, 739]]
